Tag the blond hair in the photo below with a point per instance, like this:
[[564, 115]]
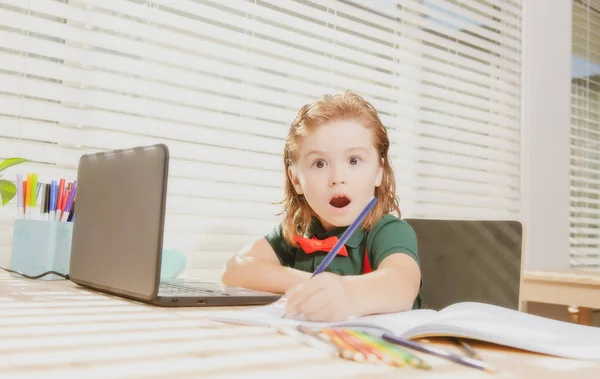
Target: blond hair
[[297, 214]]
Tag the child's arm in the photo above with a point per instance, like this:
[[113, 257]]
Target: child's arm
[[393, 287], [257, 267]]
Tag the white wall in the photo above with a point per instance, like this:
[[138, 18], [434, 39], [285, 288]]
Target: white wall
[[546, 124]]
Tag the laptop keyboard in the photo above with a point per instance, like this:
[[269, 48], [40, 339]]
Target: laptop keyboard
[[173, 289]]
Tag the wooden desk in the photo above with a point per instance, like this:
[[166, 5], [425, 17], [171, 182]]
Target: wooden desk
[[570, 287], [58, 330]]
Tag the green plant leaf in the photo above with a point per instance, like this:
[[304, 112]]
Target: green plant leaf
[[8, 190], [11, 162]]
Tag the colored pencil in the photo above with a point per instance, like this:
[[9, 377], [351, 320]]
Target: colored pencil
[[465, 361], [409, 358]]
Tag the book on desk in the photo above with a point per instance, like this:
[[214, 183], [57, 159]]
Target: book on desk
[[471, 320]]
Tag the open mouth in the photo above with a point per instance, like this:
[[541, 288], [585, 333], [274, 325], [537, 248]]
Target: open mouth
[[339, 201]]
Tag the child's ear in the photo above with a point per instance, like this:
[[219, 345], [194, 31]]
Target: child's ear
[[379, 177], [294, 179]]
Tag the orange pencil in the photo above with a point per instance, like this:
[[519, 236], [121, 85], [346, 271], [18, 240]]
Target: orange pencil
[[24, 197], [28, 195], [348, 352], [359, 345]]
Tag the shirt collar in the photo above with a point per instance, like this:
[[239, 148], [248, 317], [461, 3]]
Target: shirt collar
[[315, 229]]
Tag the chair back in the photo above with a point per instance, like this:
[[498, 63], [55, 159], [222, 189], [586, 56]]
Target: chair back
[[464, 260]]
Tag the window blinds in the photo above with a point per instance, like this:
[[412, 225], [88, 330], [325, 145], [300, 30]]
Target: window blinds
[[585, 135], [219, 83]]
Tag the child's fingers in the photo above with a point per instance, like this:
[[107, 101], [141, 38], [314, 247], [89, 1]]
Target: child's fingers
[[296, 298], [299, 294], [324, 314], [289, 293], [313, 304]]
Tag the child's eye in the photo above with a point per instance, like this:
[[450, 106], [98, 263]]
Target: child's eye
[[319, 163], [353, 160]]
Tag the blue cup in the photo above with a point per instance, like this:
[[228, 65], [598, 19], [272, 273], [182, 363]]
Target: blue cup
[[39, 246]]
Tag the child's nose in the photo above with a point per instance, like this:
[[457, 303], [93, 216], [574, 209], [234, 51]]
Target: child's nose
[[337, 177]]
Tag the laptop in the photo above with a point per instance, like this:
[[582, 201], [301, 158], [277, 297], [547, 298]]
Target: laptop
[[118, 233]]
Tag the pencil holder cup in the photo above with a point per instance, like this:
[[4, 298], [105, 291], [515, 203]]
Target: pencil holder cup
[[40, 246]]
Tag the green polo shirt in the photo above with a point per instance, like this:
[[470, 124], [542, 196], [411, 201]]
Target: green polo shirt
[[390, 235]]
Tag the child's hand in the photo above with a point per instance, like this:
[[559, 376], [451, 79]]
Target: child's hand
[[322, 298]]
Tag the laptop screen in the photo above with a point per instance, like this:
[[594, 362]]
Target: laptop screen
[[118, 226]]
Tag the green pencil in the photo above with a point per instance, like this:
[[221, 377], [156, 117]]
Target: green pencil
[[408, 357]]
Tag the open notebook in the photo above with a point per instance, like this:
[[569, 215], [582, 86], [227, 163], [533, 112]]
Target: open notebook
[[478, 321]]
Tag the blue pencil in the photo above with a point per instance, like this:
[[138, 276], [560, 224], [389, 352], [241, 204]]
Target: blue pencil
[[342, 241]]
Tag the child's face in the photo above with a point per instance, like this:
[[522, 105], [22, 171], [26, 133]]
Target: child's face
[[337, 171]]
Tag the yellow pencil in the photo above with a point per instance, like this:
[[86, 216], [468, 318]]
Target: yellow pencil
[[380, 351], [406, 356], [348, 352], [357, 344], [28, 195], [34, 185]]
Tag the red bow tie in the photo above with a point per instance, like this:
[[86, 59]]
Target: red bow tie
[[310, 245]]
